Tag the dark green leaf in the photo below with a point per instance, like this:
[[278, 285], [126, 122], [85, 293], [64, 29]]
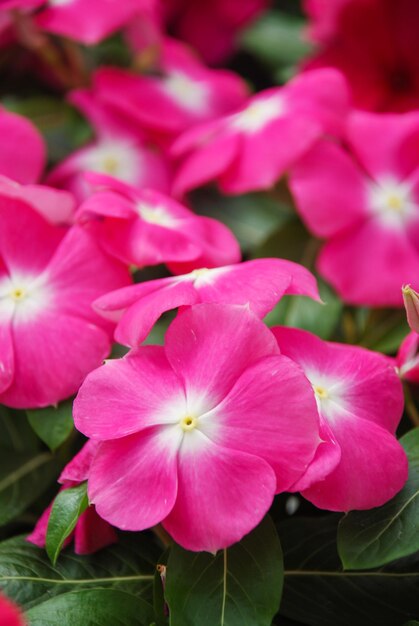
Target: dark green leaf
[[368, 539], [15, 432], [240, 586], [98, 607], [28, 577], [66, 510], [318, 593], [54, 424], [23, 478]]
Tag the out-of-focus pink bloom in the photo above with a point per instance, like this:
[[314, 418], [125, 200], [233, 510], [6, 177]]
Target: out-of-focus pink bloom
[[9, 613], [91, 532], [211, 26], [88, 21], [252, 148], [22, 149], [407, 360], [144, 227], [260, 284], [49, 277], [175, 421], [360, 403], [119, 151], [364, 200], [411, 304], [374, 43], [182, 93], [57, 206]]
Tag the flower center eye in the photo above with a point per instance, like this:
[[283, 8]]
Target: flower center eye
[[18, 294], [110, 165], [188, 423], [320, 392], [395, 202]]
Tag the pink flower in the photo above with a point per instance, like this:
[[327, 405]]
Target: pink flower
[[374, 44], [91, 532], [198, 434], [407, 360], [360, 403], [88, 21], [211, 26], [9, 613], [49, 276], [364, 200], [22, 149], [252, 148], [182, 93], [119, 151], [260, 284], [147, 228]]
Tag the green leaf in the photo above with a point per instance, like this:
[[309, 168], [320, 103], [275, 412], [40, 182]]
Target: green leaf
[[318, 593], [15, 432], [277, 39], [104, 607], [240, 586], [66, 510], [368, 539], [23, 478], [28, 577], [54, 424]]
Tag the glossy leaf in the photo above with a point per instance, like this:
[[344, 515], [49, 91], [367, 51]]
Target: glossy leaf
[[54, 424], [368, 539], [240, 586], [66, 510]]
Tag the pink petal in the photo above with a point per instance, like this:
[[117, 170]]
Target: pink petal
[[133, 481], [7, 357], [56, 206], [77, 470], [22, 150], [271, 413], [130, 387], [408, 358], [210, 345], [372, 469], [329, 189], [222, 495], [92, 533]]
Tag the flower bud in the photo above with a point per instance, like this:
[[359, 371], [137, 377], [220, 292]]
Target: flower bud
[[411, 303]]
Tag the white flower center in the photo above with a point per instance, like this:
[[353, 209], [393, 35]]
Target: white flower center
[[155, 215], [116, 158], [392, 201], [329, 393], [58, 3], [23, 297], [187, 93], [258, 114]]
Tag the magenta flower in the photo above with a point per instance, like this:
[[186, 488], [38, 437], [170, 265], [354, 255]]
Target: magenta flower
[[87, 21], [118, 151], [407, 360], [198, 434], [251, 148], [9, 613], [147, 228], [22, 149], [364, 200], [360, 403], [49, 276], [91, 532], [183, 93], [260, 284]]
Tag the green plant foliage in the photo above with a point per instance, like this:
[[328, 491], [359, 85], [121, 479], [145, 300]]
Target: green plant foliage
[[368, 539], [54, 424], [240, 586], [66, 510]]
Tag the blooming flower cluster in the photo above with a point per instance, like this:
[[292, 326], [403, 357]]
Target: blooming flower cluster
[[201, 433]]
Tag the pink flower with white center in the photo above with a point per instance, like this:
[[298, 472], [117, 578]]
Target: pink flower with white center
[[260, 284], [407, 360], [252, 148], [360, 403], [91, 532], [144, 227], [88, 21], [364, 200], [9, 613], [198, 434], [49, 277], [119, 151], [22, 149], [183, 93]]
